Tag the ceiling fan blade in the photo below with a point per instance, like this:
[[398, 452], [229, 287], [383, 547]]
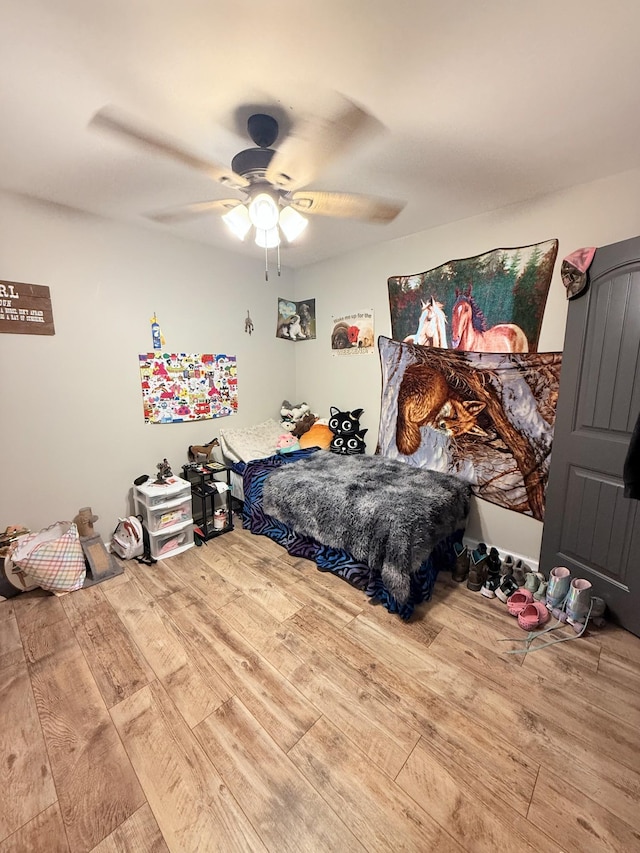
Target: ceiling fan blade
[[316, 142], [346, 205], [111, 119], [188, 211]]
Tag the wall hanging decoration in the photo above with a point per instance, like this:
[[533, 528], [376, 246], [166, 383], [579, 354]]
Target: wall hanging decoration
[[25, 309], [488, 303], [486, 417], [353, 334], [179, 387], [157, 338], [248, 324], [296, 320]]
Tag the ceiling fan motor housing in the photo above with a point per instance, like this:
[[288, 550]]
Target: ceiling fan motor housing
[[252, 163]]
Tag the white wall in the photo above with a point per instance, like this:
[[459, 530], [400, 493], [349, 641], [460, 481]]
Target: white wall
[[71, 424], [594, 214]]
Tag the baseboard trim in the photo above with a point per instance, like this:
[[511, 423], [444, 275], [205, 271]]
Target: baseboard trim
[[472, 544]]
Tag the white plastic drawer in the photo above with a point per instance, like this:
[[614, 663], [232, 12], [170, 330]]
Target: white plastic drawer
[[167, 543], [168, 514], [151, 495]]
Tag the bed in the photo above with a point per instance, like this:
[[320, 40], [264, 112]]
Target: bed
[[244, 444], [419, 516]]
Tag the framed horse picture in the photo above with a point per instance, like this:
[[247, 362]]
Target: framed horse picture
[[492, 302]]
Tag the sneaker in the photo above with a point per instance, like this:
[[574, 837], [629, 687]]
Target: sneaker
[[477, 569], [506, 588], [461, 567], [490, 586], [520, 571], [559, 582]]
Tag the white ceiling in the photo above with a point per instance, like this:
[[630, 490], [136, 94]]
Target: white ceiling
[[483, 103]]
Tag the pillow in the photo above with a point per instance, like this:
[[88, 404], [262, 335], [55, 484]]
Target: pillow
[[319, 435]]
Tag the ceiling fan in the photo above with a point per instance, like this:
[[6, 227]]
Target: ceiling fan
[[270, 183]]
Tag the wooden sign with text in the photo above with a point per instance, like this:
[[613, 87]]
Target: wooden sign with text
[[25, 309]]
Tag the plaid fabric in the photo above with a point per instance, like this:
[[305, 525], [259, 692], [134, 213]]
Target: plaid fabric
[[53, 557]]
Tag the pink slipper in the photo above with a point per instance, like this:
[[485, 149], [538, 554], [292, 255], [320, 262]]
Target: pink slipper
[[519, 600], [532, 616]]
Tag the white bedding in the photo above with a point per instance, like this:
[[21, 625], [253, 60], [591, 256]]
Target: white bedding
[[246, 443], [253, 442]]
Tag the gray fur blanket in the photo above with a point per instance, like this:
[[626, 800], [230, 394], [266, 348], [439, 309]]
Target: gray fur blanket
[[384, 512]]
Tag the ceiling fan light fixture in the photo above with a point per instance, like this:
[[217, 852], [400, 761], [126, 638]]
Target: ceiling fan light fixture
[[292, 223], [267, 239], [264, 212], [238, 220]]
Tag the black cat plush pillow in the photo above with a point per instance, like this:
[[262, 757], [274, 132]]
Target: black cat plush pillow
[[348, 438]]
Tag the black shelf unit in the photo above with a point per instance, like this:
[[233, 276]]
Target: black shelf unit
[[206, 499]]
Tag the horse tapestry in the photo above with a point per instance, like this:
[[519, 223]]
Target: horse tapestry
[[486, 417], [489, 303]]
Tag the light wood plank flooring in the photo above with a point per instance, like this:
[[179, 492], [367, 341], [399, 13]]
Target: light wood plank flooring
[[235, 698]]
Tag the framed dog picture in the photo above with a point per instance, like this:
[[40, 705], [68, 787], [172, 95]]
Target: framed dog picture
[[296, 320]]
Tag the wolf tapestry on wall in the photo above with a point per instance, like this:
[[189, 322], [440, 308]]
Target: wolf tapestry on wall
[[489, 303], [486, 417]]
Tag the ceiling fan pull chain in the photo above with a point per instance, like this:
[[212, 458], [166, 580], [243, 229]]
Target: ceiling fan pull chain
[[266, 264], [278, 250]]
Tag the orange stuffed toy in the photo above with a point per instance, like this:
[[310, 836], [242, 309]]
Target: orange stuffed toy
[[319, 435]]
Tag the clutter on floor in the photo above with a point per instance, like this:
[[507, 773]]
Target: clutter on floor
[[530, 597]]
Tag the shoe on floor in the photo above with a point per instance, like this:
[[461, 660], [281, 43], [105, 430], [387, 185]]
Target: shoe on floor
[[518, 601], [477, 569], [578, 600], [541, 593], [559, 582], [507, 566], [532, 616], [494, 563], [506, 589], [490, 586], [461, 567], [520, 572]]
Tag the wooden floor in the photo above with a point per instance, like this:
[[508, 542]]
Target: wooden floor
[[235, 698]]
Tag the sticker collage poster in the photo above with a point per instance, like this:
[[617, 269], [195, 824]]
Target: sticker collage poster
[[353, 334], [181, 387]]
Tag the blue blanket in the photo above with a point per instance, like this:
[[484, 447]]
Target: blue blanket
[[336, 560]]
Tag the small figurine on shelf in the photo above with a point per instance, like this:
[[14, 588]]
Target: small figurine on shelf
[[164, 472], [206, 450]]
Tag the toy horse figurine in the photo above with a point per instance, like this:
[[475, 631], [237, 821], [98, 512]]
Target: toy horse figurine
[[205, 450]]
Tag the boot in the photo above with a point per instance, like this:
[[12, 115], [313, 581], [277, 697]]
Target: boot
[[461, 567], [477, 569], [494, 563]]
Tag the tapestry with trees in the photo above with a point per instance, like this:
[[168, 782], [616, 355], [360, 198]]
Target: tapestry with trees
[[485, 417], [488, 303]]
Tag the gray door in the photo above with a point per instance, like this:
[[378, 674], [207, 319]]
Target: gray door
[[590, 526]]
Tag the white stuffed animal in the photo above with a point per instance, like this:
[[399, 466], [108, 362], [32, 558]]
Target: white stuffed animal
[[292, 414]]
